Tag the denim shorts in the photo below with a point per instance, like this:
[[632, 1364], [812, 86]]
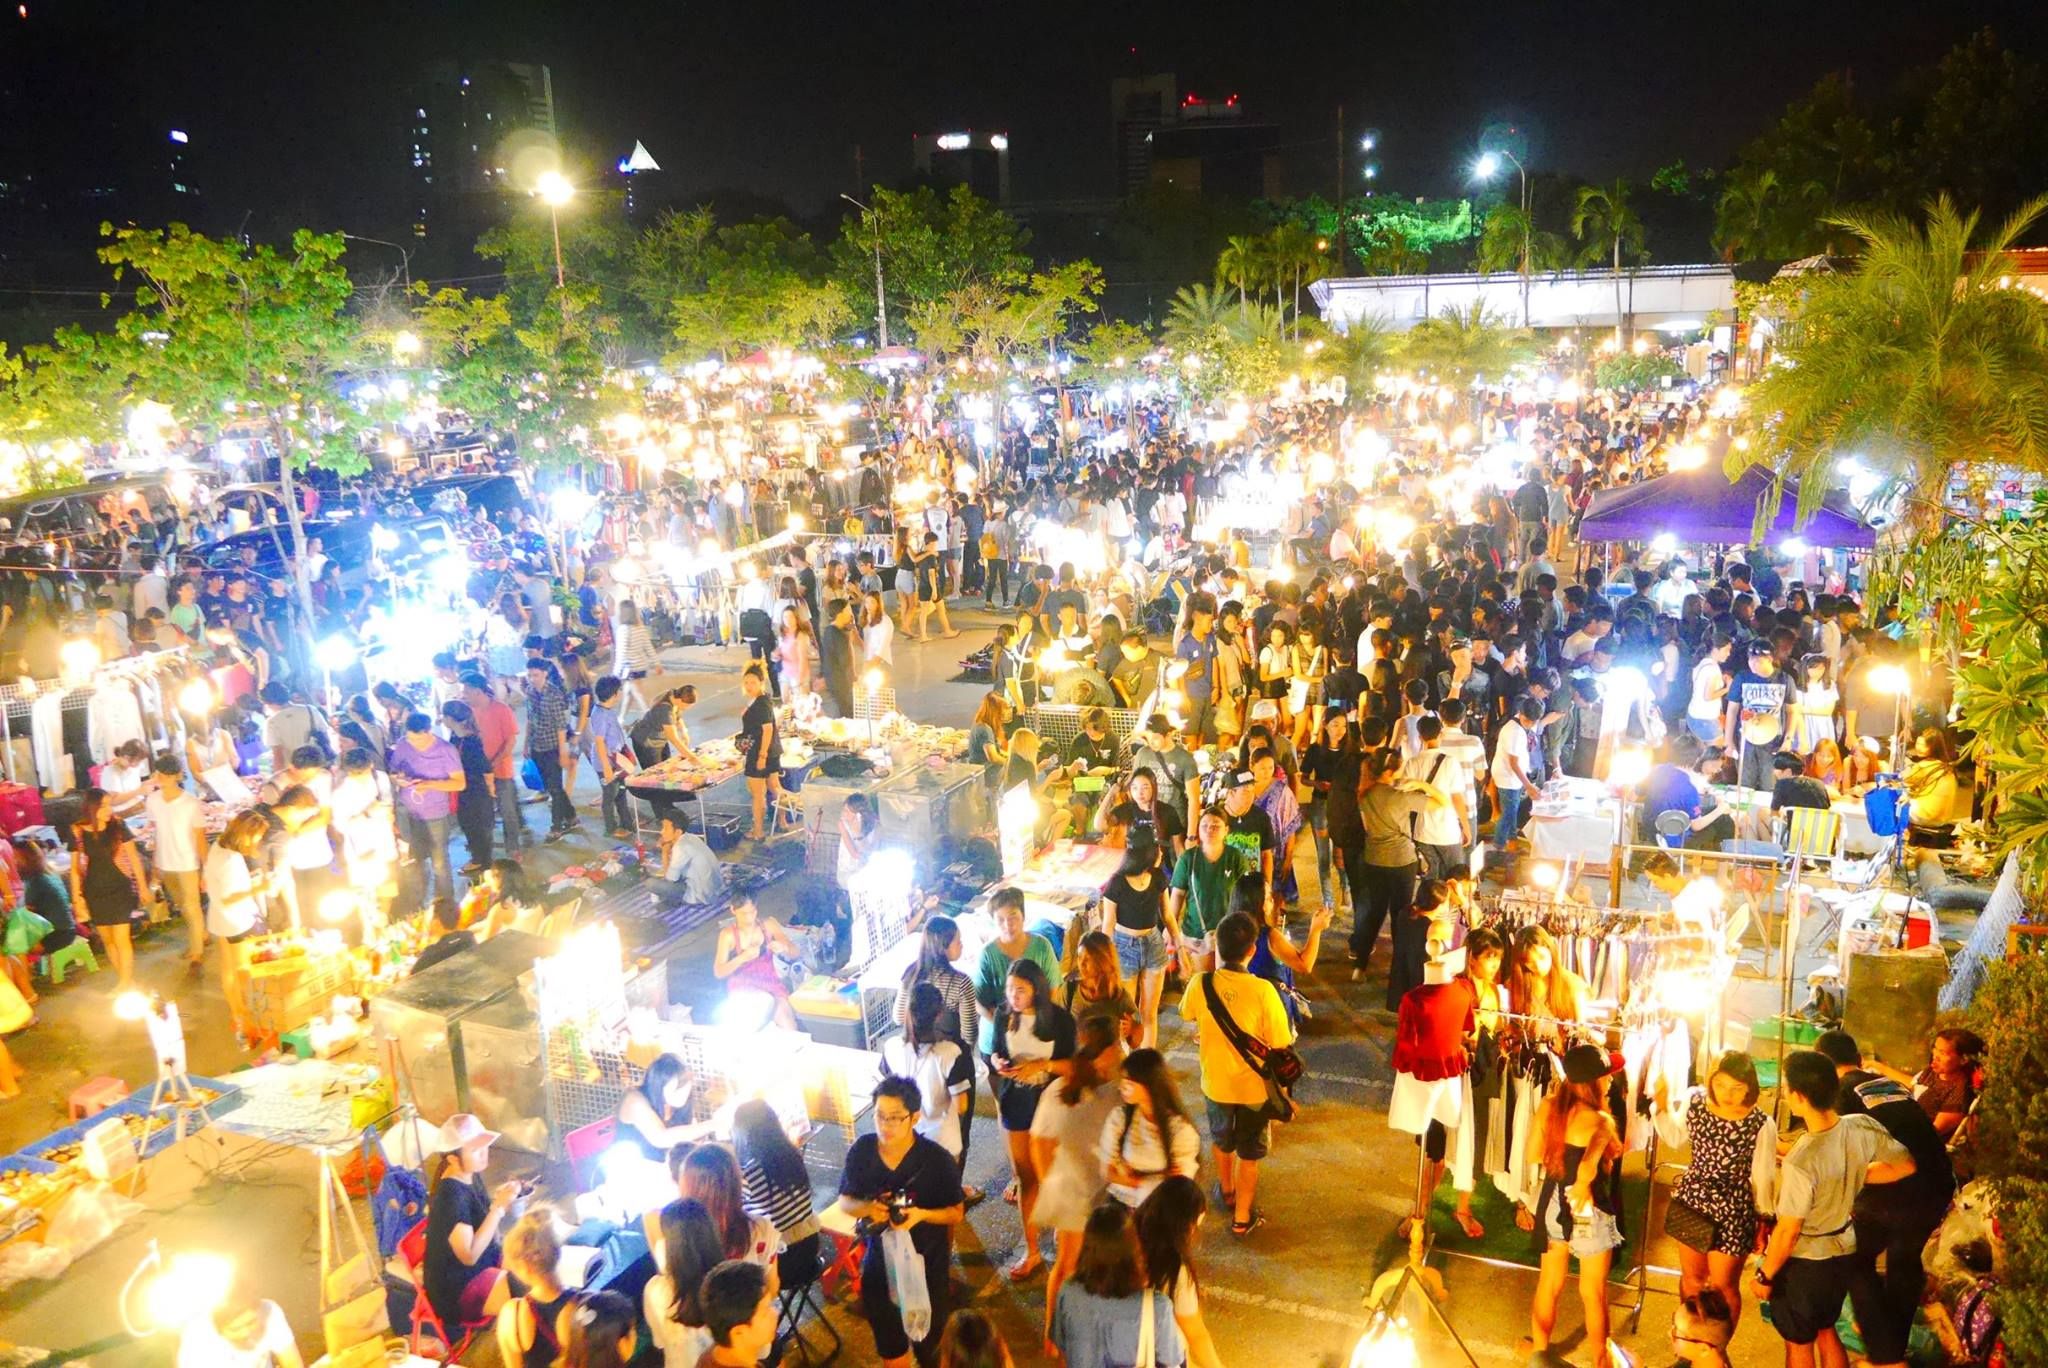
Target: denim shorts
[[1135, 953], [1593, 1232]]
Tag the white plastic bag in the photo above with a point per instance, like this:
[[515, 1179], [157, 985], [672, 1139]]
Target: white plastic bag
[[906, 1283]]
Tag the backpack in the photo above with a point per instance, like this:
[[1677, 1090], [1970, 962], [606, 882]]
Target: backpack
[[1977, 1322], [399, 1204]]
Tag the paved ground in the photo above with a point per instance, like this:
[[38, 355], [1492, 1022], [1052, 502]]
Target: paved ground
[[1290, 1295]]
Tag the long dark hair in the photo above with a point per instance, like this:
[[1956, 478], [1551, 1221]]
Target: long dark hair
[[1042, 1004], [1166, 1231], [712, 1175], [665, 1070], [758, 1141], [939, 933], [971, 1340], [1094, 1035], [1147, 1069], [89, 805], [690, 1248]]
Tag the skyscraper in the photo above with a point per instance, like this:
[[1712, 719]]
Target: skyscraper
[[1139, 106], [467, 121], [979, 161]]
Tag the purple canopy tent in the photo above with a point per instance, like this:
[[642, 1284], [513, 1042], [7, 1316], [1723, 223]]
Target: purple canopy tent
[[1702, 506]]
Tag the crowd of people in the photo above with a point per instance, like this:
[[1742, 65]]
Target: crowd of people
[[1397, 678]]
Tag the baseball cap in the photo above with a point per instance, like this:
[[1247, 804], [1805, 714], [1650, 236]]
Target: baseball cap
[[1243, 779], [1589, 1064]]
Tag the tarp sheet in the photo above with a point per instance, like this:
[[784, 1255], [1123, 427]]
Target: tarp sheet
[[1702, 506]]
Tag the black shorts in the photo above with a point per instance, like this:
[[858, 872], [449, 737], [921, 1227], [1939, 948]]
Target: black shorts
[[1240, 1130], [1809, 1295], [1017, 1104]]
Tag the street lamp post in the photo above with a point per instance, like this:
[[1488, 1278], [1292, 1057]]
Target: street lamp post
[[555, 191], [881, 304], [1486, 168]]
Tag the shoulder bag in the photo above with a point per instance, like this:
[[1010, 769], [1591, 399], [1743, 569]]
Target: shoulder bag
[[1277, 1065]]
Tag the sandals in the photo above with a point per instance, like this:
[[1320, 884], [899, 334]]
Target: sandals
[[1024, 1267], [1010, 1193], [1240, 1229], [1524, 1219], [1469, 1223]]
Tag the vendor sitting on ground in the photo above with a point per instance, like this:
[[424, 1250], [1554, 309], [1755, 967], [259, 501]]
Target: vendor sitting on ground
[[656, 1115], [745, 959], [687, 861]]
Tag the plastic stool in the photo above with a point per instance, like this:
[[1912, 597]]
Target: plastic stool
[[95, 1095], [71, 956]]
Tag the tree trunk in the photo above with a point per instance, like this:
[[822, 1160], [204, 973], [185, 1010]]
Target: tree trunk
[[286, 491]]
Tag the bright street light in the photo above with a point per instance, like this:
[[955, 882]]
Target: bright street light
[[555, 191], [1487, 167], [405, 344]]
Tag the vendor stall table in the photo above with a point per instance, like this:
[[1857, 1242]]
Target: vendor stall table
[[1574, 819], [1754, 820]]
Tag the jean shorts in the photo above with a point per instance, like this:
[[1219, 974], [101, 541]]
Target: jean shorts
[[1593, 1232], [1136, 954]]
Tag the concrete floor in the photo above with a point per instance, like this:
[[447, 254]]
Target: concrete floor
[[1291, 1294]]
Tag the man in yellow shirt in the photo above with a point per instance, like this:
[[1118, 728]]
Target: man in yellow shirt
[[1233, 1090]]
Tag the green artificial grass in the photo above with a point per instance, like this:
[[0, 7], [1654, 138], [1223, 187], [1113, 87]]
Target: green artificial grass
[[1504, 1241]]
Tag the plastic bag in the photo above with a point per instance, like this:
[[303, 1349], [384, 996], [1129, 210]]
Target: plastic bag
[[906, 1283], [92, 1212], [25, 930]]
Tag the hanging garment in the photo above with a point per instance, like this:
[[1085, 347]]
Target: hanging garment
[[46, 735], [112, 718]]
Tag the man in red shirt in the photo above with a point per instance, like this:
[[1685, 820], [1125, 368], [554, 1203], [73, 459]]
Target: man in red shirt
[[497, 727]]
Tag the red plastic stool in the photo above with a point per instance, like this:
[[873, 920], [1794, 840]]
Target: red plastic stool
[[95, 1095]]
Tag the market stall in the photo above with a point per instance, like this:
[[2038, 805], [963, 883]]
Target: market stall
[[1577, 819]]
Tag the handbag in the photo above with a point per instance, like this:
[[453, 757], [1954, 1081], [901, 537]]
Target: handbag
[[1690, 1226], [1278, 1066]]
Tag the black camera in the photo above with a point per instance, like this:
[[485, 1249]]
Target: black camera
[[899, 1210]]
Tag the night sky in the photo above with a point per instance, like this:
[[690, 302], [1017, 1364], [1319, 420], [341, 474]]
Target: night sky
[[295, 110]]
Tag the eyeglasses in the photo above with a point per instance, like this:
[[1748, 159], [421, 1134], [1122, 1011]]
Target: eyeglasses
[[893, 1118]]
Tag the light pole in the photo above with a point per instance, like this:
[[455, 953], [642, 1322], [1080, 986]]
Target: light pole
[[881, 304], [555, 191], [404, 254], [1486, 168]]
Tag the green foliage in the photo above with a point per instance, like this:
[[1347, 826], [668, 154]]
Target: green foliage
[[1822, 156], [55, 400], [2003, 696], [1360, 355], [1916, 361], [932, 246], [1629, 372], [1461, 347], [2012, 1142], [1606, 225], [753, 285], [600, 250], [1501, 242], [1423, 225], [217, 326], [1672, 180], [1109, 353]]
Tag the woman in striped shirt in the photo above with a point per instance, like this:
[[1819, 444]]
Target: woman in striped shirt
[[633, 654], [935, 960], [776, 1187]]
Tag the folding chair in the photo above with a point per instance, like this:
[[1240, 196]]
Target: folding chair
[[412, 1253], [1672, 826], [585, 1145], [797, 1295]]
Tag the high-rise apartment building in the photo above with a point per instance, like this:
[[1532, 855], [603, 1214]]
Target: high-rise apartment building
[[462, 118]]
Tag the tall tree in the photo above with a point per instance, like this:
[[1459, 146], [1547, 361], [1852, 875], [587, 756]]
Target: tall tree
[[1606, 226], [219, 327], [1296, 261], [1922, 361], [932, 245], [1743, 213], [1463, 347], [1241, 266], [598, 252]]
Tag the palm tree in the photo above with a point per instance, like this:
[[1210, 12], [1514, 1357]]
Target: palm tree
[[1461, 347], [1360, 353], [1923, 359], [1390, 254], [1741, 212], [1242, 266], [1605, 222], [1195, 319], [1293, 253]]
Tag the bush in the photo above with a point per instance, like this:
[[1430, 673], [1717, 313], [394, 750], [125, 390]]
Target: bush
[[2011, 1146]]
